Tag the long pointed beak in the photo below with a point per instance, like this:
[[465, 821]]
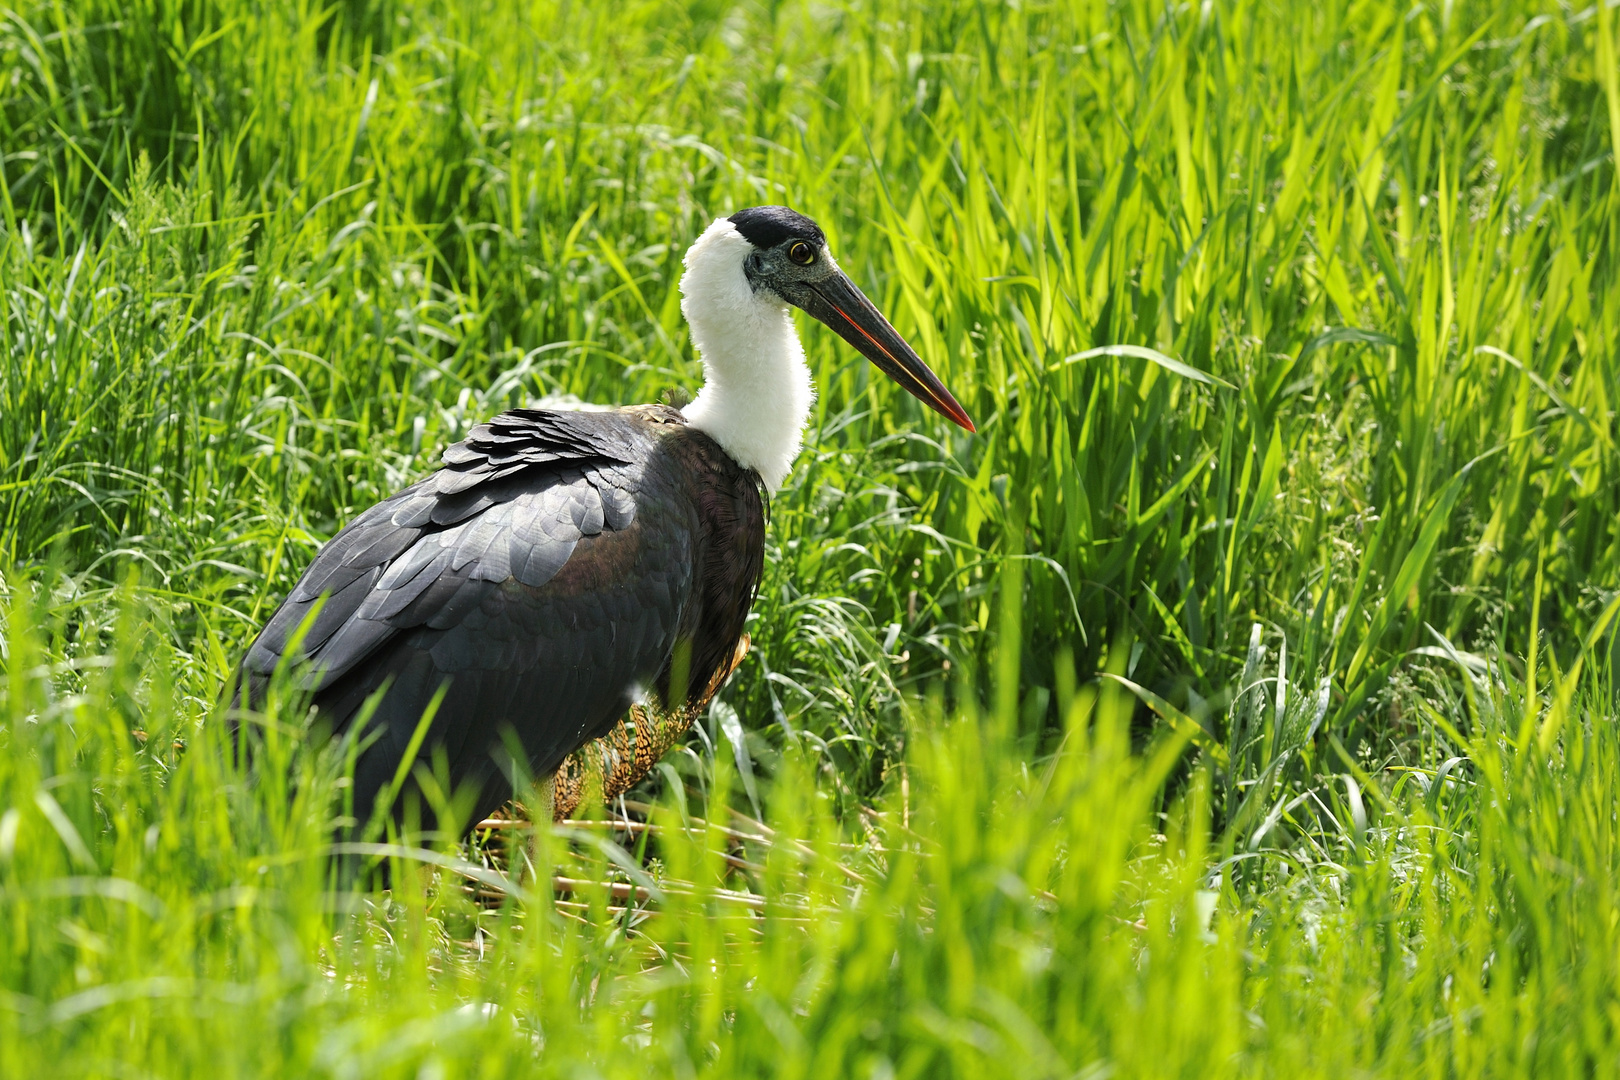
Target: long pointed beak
[[838, 303]]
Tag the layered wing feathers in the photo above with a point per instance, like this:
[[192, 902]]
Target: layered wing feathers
[[513, 502]]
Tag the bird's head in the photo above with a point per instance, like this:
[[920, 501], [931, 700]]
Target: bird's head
[[784, 255]]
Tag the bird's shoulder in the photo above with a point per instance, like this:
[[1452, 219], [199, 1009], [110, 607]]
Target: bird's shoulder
[[699, 459], [519, 439]]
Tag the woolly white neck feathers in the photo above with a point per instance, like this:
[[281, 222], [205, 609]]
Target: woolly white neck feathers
[[756, 394]]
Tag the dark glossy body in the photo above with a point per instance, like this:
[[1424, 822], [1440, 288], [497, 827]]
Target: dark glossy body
[[544, 578]]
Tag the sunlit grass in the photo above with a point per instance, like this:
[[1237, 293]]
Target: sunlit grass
[[1343, 798], [991, 915]]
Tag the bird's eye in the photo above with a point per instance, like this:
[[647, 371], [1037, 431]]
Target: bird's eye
[[800, 253]]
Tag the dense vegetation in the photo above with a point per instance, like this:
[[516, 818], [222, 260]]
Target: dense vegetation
[[1238, 700]]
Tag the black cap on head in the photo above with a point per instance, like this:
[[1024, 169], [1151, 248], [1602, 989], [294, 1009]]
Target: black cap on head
[[767, 226]]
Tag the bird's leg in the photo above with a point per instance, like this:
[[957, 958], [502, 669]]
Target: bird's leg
[[546, 799], [540, 815]]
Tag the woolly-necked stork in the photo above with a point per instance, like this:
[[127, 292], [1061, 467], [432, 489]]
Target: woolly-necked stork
[[565, 570]]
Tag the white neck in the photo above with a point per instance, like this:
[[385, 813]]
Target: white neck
[[756, 392]]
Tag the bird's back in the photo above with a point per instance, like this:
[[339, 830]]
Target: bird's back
[[540, 583]]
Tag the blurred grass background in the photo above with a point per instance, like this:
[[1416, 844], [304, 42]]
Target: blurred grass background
[[261, 260]]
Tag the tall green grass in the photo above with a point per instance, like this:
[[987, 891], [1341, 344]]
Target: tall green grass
[[991, 915], [260, 260]]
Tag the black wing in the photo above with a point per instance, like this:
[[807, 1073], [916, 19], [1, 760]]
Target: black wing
[[521, 578]]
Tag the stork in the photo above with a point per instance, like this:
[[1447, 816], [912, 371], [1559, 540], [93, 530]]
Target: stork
[[565, 571]]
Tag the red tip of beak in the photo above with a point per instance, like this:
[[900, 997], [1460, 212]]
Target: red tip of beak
[[952, 411]]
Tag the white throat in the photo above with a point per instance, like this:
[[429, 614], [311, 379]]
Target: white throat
[[756, 392]]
